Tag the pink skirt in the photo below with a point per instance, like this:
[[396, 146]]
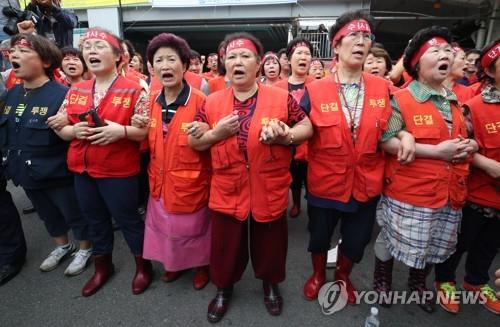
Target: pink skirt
[[179, 241]]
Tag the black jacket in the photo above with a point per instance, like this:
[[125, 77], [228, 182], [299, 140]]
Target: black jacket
[[61, 27]]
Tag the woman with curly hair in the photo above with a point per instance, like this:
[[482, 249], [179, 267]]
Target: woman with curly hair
[[420, 210]]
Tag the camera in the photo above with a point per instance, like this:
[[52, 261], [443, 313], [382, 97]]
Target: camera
[[15, 16]]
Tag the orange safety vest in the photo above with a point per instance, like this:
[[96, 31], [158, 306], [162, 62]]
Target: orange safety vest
[[483, 189], [463, 93], [193, 79], [339, 169], [427, 183], [216, 84], [260, 185], [209, 75], [178, 173], [300, 150], [118, 159]]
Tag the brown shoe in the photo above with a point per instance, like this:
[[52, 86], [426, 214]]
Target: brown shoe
[[104, 269], [143, 275], [218, 306], [273, 299], [170, 276], [201, 278]]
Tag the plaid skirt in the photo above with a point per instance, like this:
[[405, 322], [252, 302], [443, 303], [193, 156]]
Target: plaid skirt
[[418, 236]]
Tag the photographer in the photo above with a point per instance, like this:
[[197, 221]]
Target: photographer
[[52, 22]]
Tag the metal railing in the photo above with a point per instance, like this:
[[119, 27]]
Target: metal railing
[[322, 48]]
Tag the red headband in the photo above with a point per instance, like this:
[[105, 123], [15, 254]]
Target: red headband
[[23, 43], [316, 62], [456, 50], [222, 52], [353, 26], [241, 44], [299, 44], [101, 35], [270, 55], [490, 56], [430, 43]]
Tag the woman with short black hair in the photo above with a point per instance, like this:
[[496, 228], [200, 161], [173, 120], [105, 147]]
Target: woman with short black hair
[[36, 156]]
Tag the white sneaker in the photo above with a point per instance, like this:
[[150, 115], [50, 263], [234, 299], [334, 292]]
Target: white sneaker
[[79, 263], [55, 257]]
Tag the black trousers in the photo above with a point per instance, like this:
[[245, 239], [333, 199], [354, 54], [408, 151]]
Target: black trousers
[[103, 198], [12, 242], [480, 237], [356, 229], [298, 170], [59, 210]]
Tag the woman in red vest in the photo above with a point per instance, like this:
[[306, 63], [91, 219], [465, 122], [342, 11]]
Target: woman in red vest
[[177, 223], [317, 69], [349, 111], [462, 92], [270, 69], [299, 53], [104, 155], [219, 81], [480, 226], [249, 143], [72, 65], [420, 210]]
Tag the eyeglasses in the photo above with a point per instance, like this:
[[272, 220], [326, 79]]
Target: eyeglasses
[[365, 35]]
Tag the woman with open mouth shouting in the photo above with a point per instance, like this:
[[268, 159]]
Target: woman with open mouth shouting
[[270, 69], [252, 126], [349, 111], [177, 221], [299, 53], [420, 210], [72, 65], [104, 155], [480, 225], [36, 157]]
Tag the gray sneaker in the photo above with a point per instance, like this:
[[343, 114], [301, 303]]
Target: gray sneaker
[[79, 263], [56, 256]]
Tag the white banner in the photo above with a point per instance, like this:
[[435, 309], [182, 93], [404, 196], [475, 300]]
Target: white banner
[[213, 3]]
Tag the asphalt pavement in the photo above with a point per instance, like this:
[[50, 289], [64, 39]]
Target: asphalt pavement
[[35, 298]]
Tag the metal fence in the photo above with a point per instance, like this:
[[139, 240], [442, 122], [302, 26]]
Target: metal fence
[[322, 48]]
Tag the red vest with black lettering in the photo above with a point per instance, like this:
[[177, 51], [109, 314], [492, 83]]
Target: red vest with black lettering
[[427, 183], [300, 150], [118, 159], [483, 189], [216, 84], [176, 172], [260, 185], [338, 168]]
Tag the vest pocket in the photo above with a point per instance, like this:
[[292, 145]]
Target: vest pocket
[[276, 184], [224, 191], [415, 181], [186, 154], [429, 133], [37, 135], [329, 133], [47, 168], [327, 175]]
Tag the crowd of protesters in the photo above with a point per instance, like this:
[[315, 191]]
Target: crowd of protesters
[[195, 168]]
